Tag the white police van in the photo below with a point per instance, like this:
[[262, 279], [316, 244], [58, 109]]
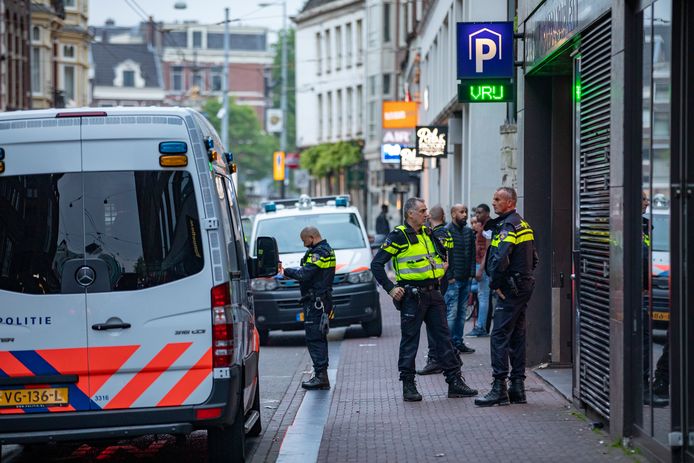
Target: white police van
[[124, 280], [355, 297]]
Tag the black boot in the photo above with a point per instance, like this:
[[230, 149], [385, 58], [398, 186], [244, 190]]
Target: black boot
[[318, 381], [409, 391], [458, 388], [432, 367], [516, 392], [497, 396]]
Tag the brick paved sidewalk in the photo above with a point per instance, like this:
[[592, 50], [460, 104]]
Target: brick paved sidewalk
[[369, 421]]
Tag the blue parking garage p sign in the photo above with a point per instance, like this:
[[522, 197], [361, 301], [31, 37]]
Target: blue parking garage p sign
[[485, 50]]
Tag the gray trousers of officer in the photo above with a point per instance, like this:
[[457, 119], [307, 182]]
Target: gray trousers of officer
[[316, 341], [508, 335]]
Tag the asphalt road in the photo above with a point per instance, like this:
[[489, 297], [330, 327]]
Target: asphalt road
[[279, 363]]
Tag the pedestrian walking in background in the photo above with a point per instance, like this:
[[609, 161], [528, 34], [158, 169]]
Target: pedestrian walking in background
[[462, 264], [510, 264], [437, 220], [382, 224], [315, 278], [418, 259], [481, 245]]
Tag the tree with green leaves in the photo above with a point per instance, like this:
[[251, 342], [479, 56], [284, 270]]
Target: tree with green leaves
[[331, 159], [251, 146], [276, 90]]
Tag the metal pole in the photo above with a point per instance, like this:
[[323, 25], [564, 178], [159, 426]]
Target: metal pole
[[283, 97], [225, 83]]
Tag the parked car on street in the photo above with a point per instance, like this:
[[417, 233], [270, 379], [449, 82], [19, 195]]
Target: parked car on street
[[355, 296], [124, 281]]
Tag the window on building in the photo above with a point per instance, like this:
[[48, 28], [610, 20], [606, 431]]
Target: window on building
[[199, 81], [319, 54], [373, 26], [70, 3], [338, 48], [386, 84], [36, 34], [68, 51], [386, 22], [128, 78], [197, 39], [360, 110], [338, 104], [372, 120], [320, 117], [360, 42], [349, 102], [36, 70], [329, 113], [372, 85], [69, 82], [328, 51], [177, 78], [217, 77], [348, 45]]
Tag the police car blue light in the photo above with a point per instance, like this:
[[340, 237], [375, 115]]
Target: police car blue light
[[341, 201], [270, 207], [173, 147]]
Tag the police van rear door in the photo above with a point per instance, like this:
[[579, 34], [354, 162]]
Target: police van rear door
[[43, 336], [150, 317]]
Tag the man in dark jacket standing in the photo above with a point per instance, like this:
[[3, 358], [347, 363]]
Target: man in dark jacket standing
[[382, 224], [462, 269], [315, 276], [511, 262]]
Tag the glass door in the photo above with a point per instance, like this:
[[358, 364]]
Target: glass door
[[656, 309]]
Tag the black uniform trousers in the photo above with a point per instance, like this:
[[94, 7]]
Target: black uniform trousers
[[427, 307], [316, 341], [508, 336]]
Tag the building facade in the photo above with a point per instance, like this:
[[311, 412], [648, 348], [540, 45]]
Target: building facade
[[330, 75], [60, 64], [126, 75], [605, 96], [472, 170], [14, 52]]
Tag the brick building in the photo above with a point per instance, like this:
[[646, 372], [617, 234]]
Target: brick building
[[14, 54]]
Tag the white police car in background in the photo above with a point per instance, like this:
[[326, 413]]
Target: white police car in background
[[124, 280], [355, 296]]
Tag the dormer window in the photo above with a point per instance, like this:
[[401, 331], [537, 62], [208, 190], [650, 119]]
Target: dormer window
[[128, 78], [128, 74], [35, 34]]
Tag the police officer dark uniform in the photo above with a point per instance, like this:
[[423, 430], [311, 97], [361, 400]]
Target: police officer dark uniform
[[418, 261], [316, 276], [440, 231], [511, 261]]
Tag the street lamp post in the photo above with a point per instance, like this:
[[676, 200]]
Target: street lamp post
[[283, 96], [225, 84]]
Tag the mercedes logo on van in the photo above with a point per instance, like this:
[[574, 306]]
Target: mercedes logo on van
[[85, 276]]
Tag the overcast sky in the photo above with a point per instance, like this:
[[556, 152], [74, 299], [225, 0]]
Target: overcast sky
[[131, 12]]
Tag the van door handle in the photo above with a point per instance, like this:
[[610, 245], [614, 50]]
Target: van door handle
[[110, 326]]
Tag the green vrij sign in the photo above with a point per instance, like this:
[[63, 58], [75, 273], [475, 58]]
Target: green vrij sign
[[481, 91]]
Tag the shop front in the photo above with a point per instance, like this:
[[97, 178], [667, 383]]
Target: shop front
[[604, 111]]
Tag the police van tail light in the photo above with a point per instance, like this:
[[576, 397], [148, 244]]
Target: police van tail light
[[222, 327]]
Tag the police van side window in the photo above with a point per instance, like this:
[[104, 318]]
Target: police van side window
[[227, 225], [239, 237], [144, 225], [40, 228]]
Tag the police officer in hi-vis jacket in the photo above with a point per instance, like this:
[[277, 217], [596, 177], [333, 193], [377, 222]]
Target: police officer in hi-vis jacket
[[418, 260]]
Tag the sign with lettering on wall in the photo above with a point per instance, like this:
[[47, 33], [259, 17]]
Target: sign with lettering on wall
[[432, 141], [409, 160]]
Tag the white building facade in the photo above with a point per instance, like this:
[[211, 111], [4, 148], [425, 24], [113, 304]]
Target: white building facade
[[473, 169], [330, 56]]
